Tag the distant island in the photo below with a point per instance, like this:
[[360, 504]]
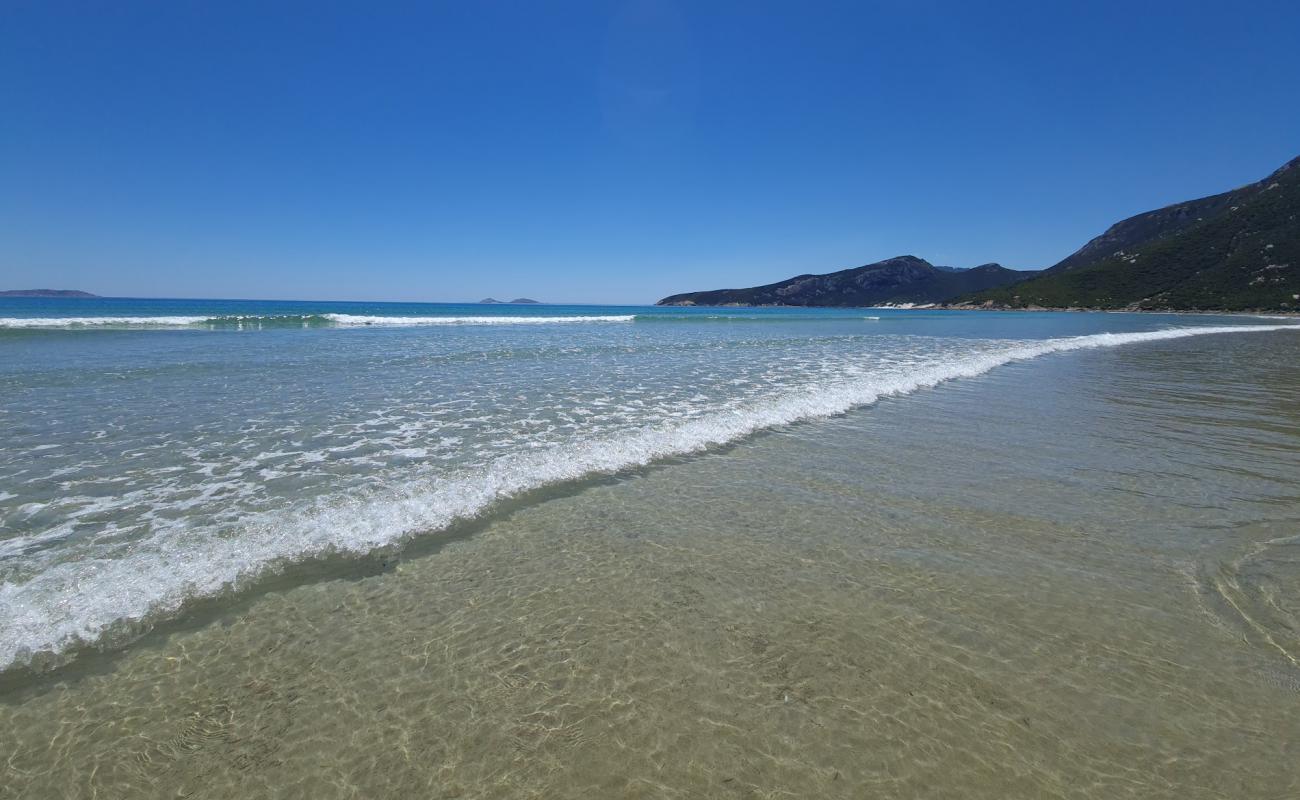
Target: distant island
[[1235, 251], [46, 293], [492, 301]]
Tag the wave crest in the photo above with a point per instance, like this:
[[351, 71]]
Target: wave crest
[[242, 321], [79, 604]]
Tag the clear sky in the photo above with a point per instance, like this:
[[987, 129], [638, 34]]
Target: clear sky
[[608, 151]]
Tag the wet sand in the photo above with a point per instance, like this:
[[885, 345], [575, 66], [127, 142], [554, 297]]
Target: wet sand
[[1072, 577]]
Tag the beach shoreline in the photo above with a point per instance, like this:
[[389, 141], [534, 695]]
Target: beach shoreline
[[815, 610]]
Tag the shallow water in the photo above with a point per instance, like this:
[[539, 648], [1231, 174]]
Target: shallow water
[[1072, 575]]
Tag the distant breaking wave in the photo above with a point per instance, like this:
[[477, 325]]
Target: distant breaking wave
[[353, 319], [239, 322], [103, 322], [45, 619]]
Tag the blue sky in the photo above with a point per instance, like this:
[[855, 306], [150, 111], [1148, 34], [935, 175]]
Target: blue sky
[[608, 152]]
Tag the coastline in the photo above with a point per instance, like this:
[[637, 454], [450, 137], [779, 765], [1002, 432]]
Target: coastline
[[120, 599], [988, 307], [812, 610], [1077, 309]]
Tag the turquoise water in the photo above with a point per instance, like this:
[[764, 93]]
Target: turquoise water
[[161, 452]]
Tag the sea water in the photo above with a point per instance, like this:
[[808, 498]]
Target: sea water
[[364, 550], [156, 452]]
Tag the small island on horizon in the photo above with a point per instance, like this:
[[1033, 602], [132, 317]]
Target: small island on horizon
[[61, 293], [518, 301]]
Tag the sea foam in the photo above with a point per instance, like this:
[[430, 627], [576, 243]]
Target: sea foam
[[108, 601], [355, 319], [100, 322], [291, 320]]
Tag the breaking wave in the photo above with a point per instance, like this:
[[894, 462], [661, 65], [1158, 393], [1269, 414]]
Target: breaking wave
[[254, 322], [353, 319], [106, 602]]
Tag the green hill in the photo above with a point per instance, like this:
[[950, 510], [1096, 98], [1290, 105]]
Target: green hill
[[903, 279], [1236, 251]]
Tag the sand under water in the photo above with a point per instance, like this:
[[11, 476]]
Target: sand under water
[[1076, 576]]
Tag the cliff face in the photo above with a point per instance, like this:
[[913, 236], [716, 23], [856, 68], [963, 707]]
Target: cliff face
[[1232, 251], [904, 279]]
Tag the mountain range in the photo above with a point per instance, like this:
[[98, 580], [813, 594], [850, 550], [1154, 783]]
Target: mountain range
[[899, 280], [1239, 250]]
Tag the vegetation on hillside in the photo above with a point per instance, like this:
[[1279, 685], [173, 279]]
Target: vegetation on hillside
[[1245, 257], [899, 280]]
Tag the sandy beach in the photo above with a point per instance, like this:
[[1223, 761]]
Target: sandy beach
[[936, 596]]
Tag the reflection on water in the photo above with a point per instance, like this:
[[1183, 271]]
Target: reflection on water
[[1071, 577]]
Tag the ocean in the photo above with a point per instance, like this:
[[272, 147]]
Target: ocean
[[373, 549]]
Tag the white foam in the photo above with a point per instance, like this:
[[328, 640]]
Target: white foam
[[99, 322], [345, 320], [96, 600], [354, 319]]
